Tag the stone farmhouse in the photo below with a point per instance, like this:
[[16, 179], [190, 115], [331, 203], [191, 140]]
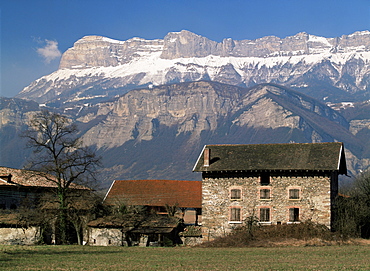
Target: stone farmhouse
[[275, 183], [161, 199]]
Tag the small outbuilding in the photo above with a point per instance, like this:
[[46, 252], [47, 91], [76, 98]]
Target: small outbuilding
[[135, 230]]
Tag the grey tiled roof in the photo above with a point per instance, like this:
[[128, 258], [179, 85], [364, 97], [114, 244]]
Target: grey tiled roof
[[271, 157]]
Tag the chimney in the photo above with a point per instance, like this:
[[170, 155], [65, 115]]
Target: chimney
[[206, 155]]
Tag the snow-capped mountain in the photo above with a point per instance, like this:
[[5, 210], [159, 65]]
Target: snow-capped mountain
[[148, 106], [97, 68]]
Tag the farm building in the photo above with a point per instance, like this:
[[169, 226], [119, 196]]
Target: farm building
[[275, 183], [170, 206], [33, 193], [159, 196], [17, 186], [134, 230]]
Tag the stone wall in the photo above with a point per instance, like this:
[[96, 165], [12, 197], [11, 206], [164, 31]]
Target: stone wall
[[106, 237], [115, 237], [191, 241], [314, 202], [19, 236]]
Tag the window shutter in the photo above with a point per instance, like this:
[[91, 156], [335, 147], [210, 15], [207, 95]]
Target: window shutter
[[235, 214], [293, 193], [235, 194], [265, 193], [265, 214]]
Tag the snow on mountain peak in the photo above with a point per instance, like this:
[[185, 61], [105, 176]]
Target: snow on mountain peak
[[185, 56], [360, 33]]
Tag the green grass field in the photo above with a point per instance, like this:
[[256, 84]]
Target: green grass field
[[184, 258]]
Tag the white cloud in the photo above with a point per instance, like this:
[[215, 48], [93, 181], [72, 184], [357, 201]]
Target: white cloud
[[50, 51]]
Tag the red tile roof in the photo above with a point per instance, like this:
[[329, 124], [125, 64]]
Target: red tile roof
[[187, 194]]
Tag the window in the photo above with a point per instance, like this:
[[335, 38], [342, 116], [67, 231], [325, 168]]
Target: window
[[293, 214], [235, 193], [265, 178], [235, 214], [294, 193], [264, 193], [264, 214]]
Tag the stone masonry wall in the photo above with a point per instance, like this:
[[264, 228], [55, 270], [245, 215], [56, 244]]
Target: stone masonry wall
[[105, 237], [19, 236], [314, 202]]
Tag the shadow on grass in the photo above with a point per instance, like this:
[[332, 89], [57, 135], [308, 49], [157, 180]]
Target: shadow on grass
[[12, 255], [57, 250]]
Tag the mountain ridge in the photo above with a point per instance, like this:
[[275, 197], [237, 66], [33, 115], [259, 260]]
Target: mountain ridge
[[148, 107], [158, 132], [98, 68], [195, 113]]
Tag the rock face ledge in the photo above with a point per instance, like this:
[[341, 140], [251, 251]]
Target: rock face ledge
[[158, 132], [96, 68], [94, 51], [198, 107], [97, 51]]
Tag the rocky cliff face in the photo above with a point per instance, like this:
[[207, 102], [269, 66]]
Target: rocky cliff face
[[92, 51], [16, 111], [170, 124], [198, 107], [334, 69], [190, 108], [14, 116], [158, 132], [97, 51]]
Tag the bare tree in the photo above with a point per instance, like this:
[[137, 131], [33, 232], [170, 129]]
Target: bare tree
[[61, 158]]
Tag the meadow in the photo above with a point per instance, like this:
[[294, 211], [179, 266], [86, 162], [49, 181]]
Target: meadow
[[344, 257]]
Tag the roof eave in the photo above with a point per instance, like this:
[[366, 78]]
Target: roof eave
[[196, 164], [106, 195], [269, 170], [342, 165]]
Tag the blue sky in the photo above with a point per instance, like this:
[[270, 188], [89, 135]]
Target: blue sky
[[34, 33]]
